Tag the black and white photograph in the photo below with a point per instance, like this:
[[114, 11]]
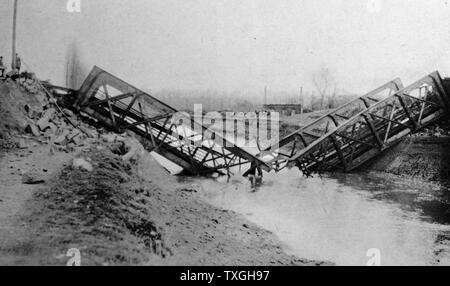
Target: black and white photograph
[[232, 133]]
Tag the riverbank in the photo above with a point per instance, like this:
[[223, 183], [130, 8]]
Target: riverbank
[[425, 158], [422, 156], [121, 213]]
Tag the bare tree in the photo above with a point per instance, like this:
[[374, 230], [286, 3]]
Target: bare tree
[[332, 99], [323, 81], [75, 70]]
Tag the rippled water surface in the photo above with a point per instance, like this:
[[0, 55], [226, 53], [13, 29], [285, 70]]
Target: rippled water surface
[[339, 217]]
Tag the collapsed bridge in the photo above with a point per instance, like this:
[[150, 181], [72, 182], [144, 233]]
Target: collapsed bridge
[[358, 131], [172, 134], [342, 140]]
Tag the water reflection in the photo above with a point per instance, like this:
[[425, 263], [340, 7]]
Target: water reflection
[[432, 202]]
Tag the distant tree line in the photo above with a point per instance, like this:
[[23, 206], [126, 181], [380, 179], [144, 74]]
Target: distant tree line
[[324, 94], [240, 101]]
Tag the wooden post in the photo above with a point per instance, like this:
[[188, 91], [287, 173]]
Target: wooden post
[[13, 62], [301, 100]]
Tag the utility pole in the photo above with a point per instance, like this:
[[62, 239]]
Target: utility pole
[[301, 100], [13, 62], [265, 95]]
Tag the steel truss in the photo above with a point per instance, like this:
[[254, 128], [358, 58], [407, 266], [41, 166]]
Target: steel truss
[[172, 134], [349, 136]]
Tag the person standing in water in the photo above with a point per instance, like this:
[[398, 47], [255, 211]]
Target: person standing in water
[[2, 67], [255, 176], [18, 63]]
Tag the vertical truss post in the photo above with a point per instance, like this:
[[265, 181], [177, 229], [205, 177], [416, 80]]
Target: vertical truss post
[[339, 152], [415, 126]]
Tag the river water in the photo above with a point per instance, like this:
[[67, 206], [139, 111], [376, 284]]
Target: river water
[[339, 217]]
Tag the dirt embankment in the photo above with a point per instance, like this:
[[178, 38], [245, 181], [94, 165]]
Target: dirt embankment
[[13, 118], [134, 214], [109, 199], [124, 213], [424, 157]]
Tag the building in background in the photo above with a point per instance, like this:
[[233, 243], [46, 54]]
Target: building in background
[[284, 109]]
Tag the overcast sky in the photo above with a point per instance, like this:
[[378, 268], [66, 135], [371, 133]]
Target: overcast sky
[[236, 44]]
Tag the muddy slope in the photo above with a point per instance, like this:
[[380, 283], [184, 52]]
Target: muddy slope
[[115, 216], [425, 158]]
